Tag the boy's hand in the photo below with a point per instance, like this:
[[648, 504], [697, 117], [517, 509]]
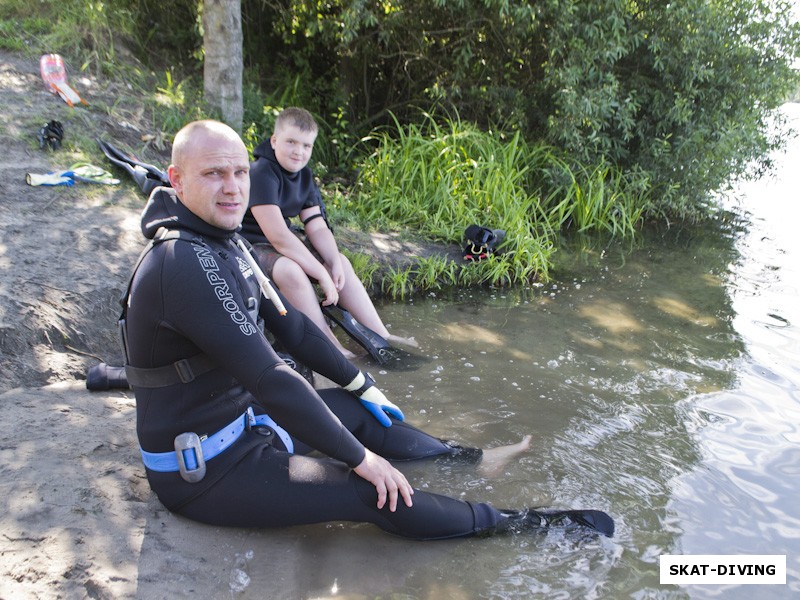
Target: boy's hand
[[337, 274], [329, 290]]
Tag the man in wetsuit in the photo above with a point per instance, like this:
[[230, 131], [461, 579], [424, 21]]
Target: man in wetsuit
[[224, 425], [283, 188]]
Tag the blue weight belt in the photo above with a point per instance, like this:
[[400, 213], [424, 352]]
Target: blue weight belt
[[213, 445]]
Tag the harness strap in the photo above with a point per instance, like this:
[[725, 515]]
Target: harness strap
[[312, 217], [214, 445], [182, 371]]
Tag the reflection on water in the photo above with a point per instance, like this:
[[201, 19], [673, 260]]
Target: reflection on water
[[660, 382]]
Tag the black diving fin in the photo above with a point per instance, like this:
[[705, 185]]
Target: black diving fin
[[543, 520], [146, 176], [377, 346]]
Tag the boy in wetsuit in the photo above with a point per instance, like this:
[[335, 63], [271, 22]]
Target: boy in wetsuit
[[283, 187], [224, 425]]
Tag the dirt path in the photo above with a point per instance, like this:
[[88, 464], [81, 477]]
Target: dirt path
[[64, 251]]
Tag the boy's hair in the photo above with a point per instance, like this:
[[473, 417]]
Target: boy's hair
[[299, 117]]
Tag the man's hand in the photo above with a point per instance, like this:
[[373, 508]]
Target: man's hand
[[374, 400], [388, 481]]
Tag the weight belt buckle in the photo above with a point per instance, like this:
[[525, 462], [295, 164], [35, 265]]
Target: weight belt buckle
[[189, 451]]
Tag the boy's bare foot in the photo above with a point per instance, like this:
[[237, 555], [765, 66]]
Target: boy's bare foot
[[403, 341], [495, 459]]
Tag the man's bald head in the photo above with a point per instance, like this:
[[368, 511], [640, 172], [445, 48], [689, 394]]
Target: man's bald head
[[199, 133], [210, 172]]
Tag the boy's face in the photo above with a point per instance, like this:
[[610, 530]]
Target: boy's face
[[293, 147]]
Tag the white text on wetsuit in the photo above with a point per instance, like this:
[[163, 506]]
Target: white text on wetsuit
[[222, 290]]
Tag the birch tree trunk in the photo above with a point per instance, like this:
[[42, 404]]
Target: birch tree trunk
[[223, 64]]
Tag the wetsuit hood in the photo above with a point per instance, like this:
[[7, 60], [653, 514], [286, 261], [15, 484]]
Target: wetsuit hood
[[165, 209], [264, 150]]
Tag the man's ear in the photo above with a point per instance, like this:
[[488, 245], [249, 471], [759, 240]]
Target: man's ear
[[174, 175]]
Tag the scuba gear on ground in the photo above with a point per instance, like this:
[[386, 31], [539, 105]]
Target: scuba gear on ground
[[84, 172], [146, 176], [481, 242], [105, 377], [375, 401], [55, 178], [89, 173], [51, 134], [54, 75]]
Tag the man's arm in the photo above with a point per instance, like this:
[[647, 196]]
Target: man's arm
[[216, 322]]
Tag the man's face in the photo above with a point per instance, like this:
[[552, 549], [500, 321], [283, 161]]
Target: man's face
[[213, 179], [293, 147]]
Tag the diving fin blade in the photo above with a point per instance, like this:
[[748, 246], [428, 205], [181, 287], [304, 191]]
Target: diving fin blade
[[595, 520], [378, 348], [535, 520], [113, 158], [154, 174]]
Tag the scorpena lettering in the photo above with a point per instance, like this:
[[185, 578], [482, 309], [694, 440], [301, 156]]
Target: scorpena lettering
[[222, 291]]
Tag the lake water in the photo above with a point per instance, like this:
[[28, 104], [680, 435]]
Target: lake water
[[660, 382]]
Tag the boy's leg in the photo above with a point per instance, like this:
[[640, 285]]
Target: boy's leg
[[354, 298], [295, 285]]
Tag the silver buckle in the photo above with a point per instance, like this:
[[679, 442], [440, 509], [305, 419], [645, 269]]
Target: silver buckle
[[190, 443]]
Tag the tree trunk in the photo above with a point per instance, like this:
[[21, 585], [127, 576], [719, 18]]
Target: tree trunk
[[223, 65]]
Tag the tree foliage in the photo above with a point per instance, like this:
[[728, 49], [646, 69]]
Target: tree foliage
[[682, 92], [680, 95]]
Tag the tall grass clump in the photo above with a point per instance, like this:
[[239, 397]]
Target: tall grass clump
[[439, 178], [598, 199]]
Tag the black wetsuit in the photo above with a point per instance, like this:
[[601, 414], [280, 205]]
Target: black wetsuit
[[270, 183], [196, 297]]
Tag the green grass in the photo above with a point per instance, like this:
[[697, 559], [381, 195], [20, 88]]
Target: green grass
[[441, 175]]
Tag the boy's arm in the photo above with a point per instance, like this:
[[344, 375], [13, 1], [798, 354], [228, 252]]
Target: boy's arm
[[321, 237], [271, 221]]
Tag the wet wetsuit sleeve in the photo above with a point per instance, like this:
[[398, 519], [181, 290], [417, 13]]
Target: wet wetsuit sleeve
[[306, 343], [205, 298]]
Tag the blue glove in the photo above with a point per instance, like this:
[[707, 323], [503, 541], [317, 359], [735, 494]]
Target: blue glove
[[374, 400]]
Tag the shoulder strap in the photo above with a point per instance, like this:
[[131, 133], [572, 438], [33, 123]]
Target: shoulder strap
[[162, 235], [181, 371]]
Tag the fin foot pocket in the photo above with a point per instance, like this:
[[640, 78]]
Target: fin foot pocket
[[378, 348], [542, 520]]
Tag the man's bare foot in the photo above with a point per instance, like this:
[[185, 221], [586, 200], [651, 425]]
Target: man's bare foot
[[496, 459], [403, 341]]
